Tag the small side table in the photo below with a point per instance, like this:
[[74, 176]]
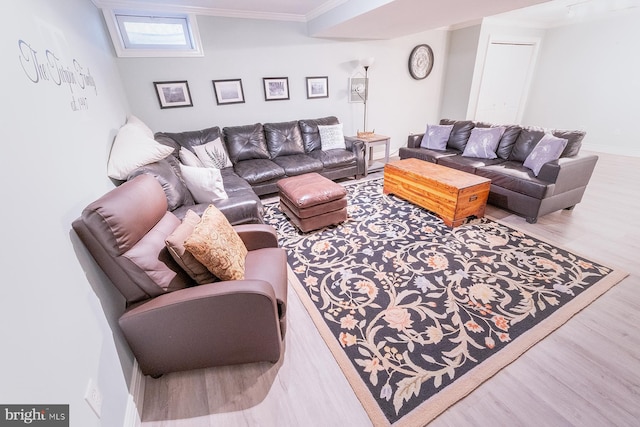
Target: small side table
[[370, 142]]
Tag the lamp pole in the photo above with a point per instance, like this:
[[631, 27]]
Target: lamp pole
[[366, 95]]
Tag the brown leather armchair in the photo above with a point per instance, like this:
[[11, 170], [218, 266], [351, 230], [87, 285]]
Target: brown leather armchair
[[171, 324]]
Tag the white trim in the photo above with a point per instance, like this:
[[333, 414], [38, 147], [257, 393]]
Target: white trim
[[135, 400], [324, 8]]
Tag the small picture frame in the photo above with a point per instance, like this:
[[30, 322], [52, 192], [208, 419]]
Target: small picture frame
[[228, 91], [173, 94], [358, 89], [317, 87], [276, 88]]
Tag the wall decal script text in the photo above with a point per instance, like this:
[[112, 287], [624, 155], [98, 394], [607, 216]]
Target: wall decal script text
[[49, 68]]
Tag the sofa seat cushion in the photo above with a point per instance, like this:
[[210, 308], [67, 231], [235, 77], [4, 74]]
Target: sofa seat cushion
[[516, 177], [283, 139], [467, 164], [246, 142], [334, 158], [426, 154], [255, 171], [298, 164]]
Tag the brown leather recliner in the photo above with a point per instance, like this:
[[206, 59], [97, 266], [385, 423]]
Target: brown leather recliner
[[171, 324]]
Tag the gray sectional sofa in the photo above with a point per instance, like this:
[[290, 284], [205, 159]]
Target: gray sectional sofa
[[559, 184], [261, 155]]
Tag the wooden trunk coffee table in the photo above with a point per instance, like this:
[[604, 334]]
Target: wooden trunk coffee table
[[451, 194]]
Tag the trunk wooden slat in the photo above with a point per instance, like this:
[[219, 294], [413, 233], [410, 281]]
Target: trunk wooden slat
[[451, 194]]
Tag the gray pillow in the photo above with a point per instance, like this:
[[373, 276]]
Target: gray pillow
[[546, 150], [483, 142], [436, 137]]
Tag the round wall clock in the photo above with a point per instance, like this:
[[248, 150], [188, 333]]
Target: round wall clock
[[420, 61]]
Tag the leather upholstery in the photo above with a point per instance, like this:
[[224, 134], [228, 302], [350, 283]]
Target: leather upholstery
[[560, 184], [246, 142], [459, 134], [167, 172], [188, 139], [283, 139], [170, 324], [310, 133], [259, 170], [298, 164]]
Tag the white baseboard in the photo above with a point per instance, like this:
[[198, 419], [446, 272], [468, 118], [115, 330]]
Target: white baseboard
[[135, 400]]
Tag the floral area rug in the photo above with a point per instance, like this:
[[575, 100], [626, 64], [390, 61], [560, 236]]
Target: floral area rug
[[418, 314]]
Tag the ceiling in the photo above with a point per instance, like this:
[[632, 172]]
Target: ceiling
[[386, 19]]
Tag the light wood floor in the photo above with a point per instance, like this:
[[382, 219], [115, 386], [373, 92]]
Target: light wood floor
[[587, 373]]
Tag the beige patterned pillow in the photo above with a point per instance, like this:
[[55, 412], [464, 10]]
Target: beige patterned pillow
[[175, 244], [216, 244]]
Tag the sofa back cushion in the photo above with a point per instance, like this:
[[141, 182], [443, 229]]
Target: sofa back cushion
[[459, 134], [283, 139], [527, 140], [245, 142], [167, 173], [311, 135], [125, 231], [188, 139], [574, 141], [509, 137]]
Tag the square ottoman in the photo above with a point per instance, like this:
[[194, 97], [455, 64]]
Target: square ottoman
[[312, 201]]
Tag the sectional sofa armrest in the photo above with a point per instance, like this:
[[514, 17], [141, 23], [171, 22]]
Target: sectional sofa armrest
[[357, 147], [257, 236], [215, 324], [414, 140], [569, 173]]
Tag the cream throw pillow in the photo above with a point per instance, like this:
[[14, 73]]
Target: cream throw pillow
[[175, 244], [331, 137], [205, 184], [217, 246], [213, 154], [131, 149], [188, 158]]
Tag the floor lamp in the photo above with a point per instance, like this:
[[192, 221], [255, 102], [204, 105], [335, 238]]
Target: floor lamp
[[366, 63]]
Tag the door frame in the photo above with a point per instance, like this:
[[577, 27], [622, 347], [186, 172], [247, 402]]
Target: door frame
[[480, 67]]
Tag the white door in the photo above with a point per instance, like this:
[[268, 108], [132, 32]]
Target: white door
[[505, 82]]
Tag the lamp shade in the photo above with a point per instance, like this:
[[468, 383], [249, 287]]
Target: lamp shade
[[367, 62]]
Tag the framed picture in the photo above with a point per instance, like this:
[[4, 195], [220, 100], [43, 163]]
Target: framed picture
[[173, 94], [317, 87], [276, 88], [357, 89], [228, 91]]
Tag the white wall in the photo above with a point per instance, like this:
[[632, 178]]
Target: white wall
[[253, 49], [54, 331], [588, 78], [460, 62]]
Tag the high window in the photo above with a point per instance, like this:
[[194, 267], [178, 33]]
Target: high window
[[150, 34]]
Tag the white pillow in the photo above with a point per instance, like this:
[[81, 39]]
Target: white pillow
[[134, 120], [331, 137], [213, 154], [133, 148], [188, 158], [205, 184]]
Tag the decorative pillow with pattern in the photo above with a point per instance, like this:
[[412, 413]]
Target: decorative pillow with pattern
[[483, 143], [175, 245], [217, 246], [331, 137], [436, 137], [549, 148], [213, 154]]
